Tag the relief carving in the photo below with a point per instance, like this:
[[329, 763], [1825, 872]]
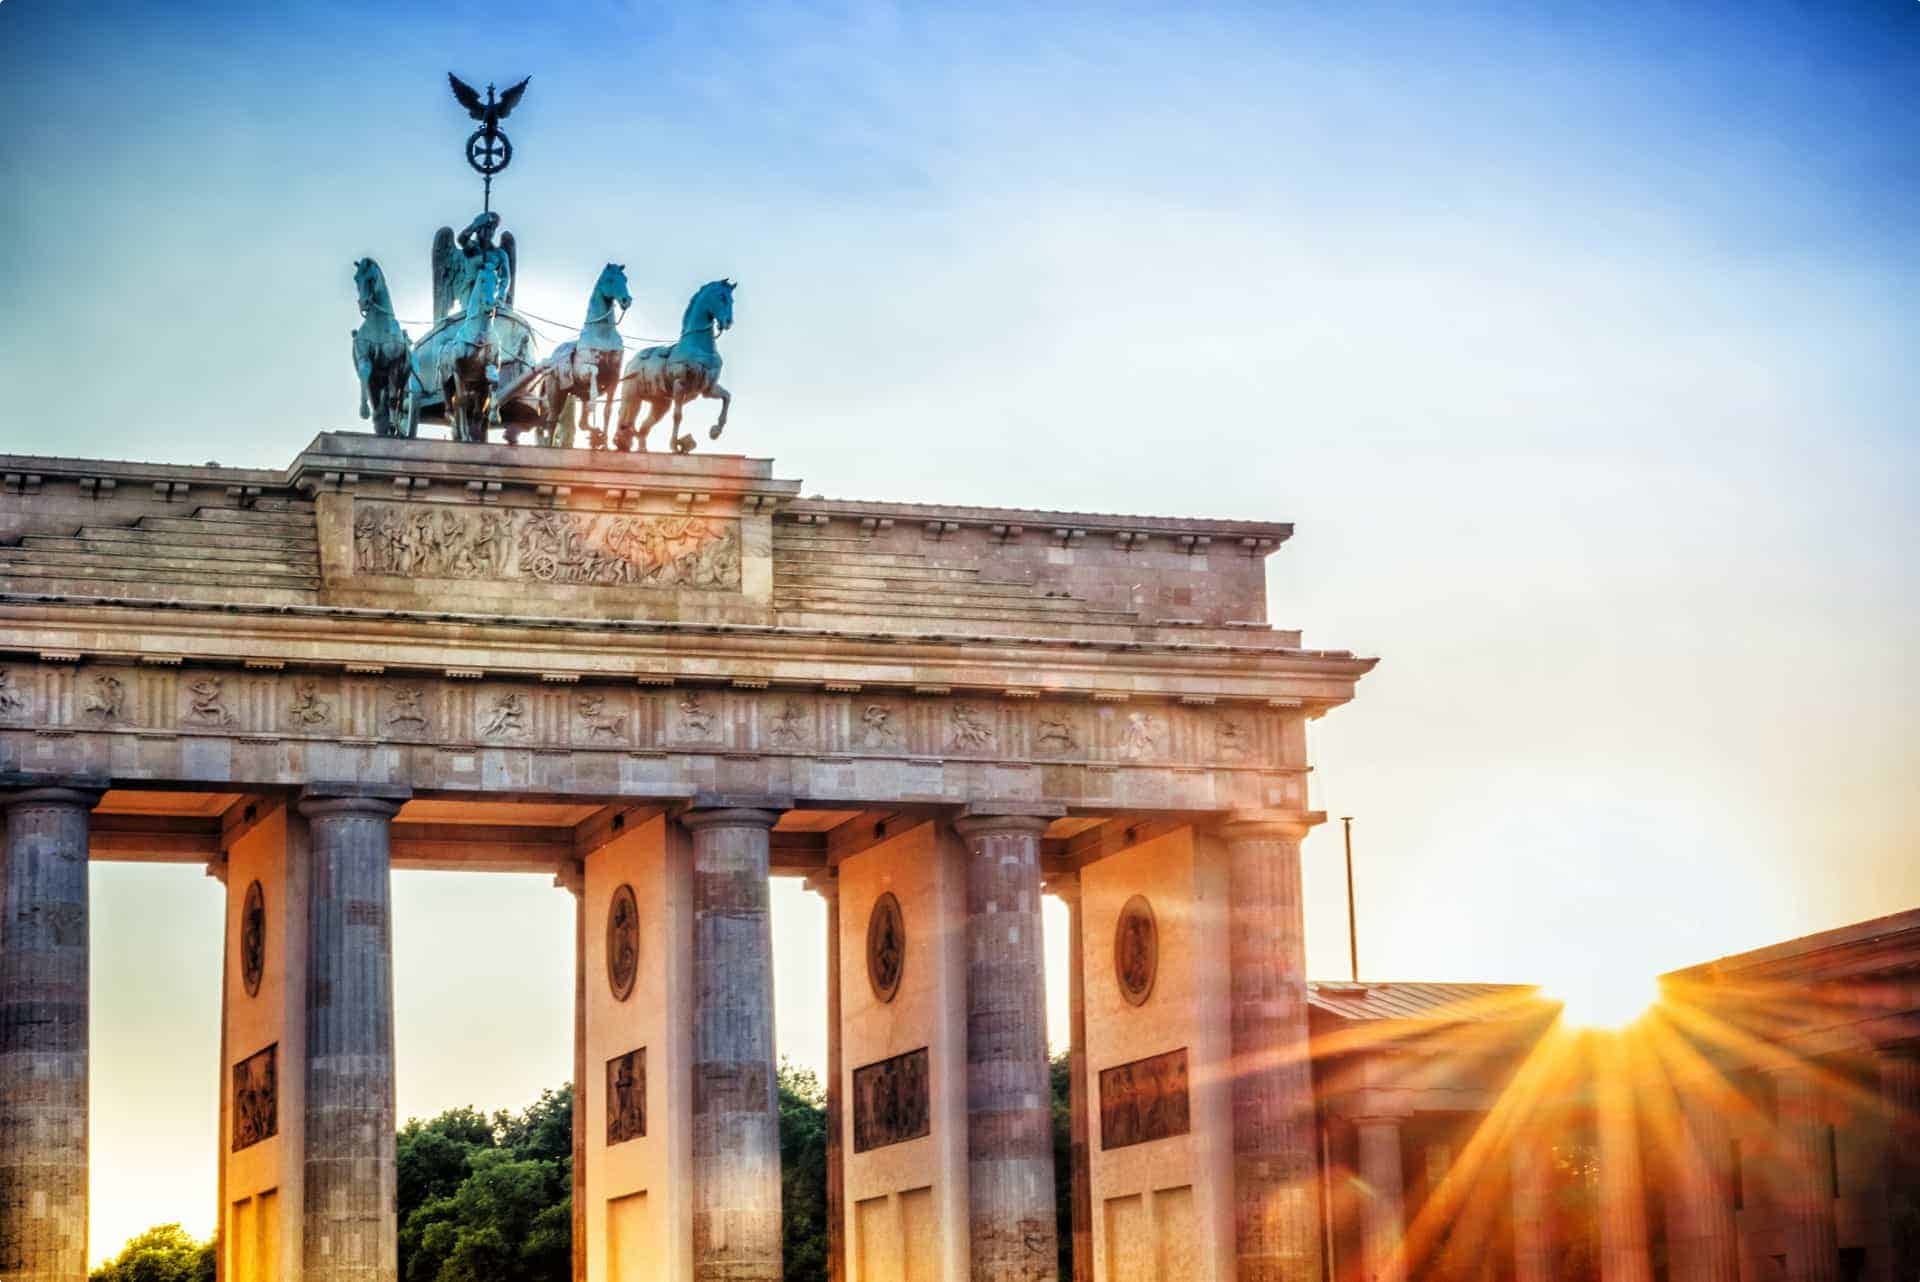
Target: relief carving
[[890, 1101], [1139, 737], [970, 731], [623, 942], [13, 700], [1231, 742], [1136, 950], [1144, 1101], [106, 699], [308, 708], [408, 708], [256, 1098], [1054, 734], [253, 939], [696, 718], [790, 728], [507, 717], [886, 947], [876, 727], [598, 720], [207, 704], [627, 1096], [595, 548]]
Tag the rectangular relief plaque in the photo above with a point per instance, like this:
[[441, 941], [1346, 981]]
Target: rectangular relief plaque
[[256, 1098], [627, 1096], [1145, 1100], [598, 549], [890, 1101]]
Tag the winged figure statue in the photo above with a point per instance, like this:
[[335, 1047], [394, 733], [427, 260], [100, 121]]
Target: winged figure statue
[[457, 260]]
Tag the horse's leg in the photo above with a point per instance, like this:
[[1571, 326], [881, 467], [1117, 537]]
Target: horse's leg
[[721, 394], [629, 410], [656, 409]]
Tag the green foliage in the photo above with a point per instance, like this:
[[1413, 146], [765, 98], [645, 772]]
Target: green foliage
[[488, 1200], [1060, 1078], [803, 1174], [165, 1253]]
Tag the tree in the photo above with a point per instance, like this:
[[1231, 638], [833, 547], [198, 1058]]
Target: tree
[[1060, 1079], [165, 1253], [803, 1174]]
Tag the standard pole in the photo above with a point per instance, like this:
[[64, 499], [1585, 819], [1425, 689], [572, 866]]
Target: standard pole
[[1353, 930]]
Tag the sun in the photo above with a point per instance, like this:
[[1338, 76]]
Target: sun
[[1603, 997]]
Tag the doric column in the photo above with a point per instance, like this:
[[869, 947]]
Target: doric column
[[572, 878], [1806, 1180], [1276, 1164], [827, 883], [43, 1035], [736, 1120], [1623, 1210], [349, 1234], [1079, 1125], [1532, 1198], [1900, 1091], [1703, 1243], [1011, 1229], [1383, 1227]]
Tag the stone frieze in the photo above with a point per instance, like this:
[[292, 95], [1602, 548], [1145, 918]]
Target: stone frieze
[[597, 549]]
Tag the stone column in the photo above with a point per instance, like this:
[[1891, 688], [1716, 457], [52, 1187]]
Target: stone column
[[1806, 1181], [1010, 1231], [1624, 1256], [43, 1034], [573, 878], [1276, 1164], [1532, 1200], [1703, 1242], [827, 883], [1383, 1226], [1079, 1125], [349, 1233], [1900, 1090], [736, 1120]]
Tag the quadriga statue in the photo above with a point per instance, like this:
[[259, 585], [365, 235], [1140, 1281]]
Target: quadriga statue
[[380, 350], [673, 375], [587, 367]]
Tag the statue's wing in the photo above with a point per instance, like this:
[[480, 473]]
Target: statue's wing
[[509, 100], [468, 97], [446, 265], [513, 256]]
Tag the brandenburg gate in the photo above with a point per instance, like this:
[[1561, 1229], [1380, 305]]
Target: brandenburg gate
[[666, 678]]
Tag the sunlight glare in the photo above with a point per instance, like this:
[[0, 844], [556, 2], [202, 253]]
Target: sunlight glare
[[1604, 998]]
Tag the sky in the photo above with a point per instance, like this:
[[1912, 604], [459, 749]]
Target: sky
[[1576, 339]]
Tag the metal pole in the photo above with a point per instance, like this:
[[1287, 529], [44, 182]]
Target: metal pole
[[1353, 930]]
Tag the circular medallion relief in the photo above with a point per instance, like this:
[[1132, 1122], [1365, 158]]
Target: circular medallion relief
[[886, 947], [1136, 950], [253, 938], [623, 942]]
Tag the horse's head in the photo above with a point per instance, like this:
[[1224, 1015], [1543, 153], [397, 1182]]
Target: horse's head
[[371, 285], [712, 305], [612, 286]]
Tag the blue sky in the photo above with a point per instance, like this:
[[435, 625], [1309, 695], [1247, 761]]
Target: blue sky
[[1577, 339]]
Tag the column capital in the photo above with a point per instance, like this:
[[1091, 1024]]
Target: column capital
[[824, 882], [1063, 885], [571, 876], [1256, 824], [978, 818], [351, 798], [20, 787], [735, 810]]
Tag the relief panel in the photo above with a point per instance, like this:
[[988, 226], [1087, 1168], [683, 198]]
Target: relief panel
[[599, 549], [890, 1101], [256, 1098], [1144, 1100], [627, 1096]]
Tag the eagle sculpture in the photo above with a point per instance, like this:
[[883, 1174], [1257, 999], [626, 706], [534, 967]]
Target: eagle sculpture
[[491, 111]]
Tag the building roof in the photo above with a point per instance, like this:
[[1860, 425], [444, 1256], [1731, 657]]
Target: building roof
[[1882, 943], [1426, 1002]]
